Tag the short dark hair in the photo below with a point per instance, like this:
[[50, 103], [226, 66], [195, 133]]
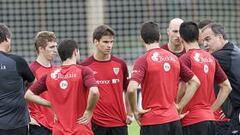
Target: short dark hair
[[66, 48], [102, 30], [204, 23], [189, 32], [42, 38], [217, 29], [5, 33], [150, 32]]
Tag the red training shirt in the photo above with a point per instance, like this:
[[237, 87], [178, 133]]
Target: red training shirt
[[68, 89], [158, 71], [206, 68], [111, 77], [41, 114]]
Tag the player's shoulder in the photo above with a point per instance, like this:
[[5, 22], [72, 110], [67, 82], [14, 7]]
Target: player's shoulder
[[89, 60], [164, 46], [17, 58], [117, 58]]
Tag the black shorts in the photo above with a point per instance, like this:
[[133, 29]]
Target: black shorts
[[39, 130], [99, 130], [201, 128], [234, 128], [17, 131], [222, 127], [171, 128]]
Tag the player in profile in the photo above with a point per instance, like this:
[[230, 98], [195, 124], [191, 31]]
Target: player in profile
[[228, 54], [14, 73], [72, 90], [42, 118]]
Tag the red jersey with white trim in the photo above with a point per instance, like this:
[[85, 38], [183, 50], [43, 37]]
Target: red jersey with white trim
[[111, 77], [206, 68], [158, 71], [68, 90], [41, 114], [165, 46]]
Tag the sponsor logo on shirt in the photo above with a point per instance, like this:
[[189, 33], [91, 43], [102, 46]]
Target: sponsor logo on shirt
[[103, 81], [57, 75], [63, 84], [113, 81], [200, 59], [166, 66], [205, 68], [3, 67], [156, 57], [116, 70]]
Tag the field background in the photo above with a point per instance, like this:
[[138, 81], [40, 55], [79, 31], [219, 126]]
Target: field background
[[77, 18], [133, 129]]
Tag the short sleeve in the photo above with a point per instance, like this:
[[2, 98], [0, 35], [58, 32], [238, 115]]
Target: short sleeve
[[220, 75], [88, 77], [39, 86], [139, 69], [185, 64]]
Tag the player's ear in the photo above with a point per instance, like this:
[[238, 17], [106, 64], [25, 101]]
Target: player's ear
[[95, 41]]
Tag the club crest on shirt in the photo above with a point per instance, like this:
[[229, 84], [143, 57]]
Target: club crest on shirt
[[116, 70]]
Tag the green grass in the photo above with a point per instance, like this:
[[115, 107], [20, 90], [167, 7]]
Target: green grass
[[133, 129]]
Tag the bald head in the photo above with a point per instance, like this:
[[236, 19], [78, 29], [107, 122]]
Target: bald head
[[175, 22], [173, 32]]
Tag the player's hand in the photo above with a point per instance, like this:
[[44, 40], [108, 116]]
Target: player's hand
[[139, 114], [220, 113], [86, 118], [179, 108], [222, 116], [130, 119], [182, 115], [34, 122]]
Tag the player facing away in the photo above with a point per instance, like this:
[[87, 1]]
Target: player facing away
[[200, 119], [14, 73], [72, 90], [110, 116], [42, 118], [158, 71], [174, 44]]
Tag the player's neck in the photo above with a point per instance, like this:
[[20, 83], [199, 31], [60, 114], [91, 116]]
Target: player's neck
[[69, 61], [152, 46], [4, 48], [43, 61], [193, 45], [175, 48], [102, 57]]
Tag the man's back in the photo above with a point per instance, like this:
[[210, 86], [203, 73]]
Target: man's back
[[14, 72], [206, 69], [68, 96], [155, 70]]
